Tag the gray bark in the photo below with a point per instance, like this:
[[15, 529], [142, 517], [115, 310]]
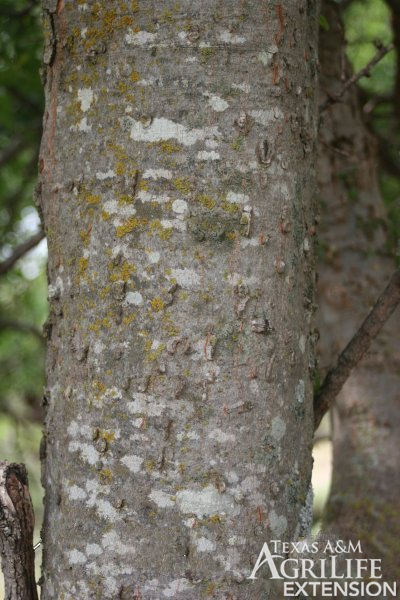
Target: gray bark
[[177, 186], [353, 270]]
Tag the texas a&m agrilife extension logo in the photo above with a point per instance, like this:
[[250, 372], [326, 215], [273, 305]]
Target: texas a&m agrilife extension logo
[[322, 568]]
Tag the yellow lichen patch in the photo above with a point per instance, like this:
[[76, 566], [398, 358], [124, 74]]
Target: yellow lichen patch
[[143, 185], [104, 292], [120, 168], [164, 233], [83, 265], [85, 237], [134, 77], [231, 235], [153, 355], [105, 215], [128, 319], [92, 198], [157, 304], [237, 144], [206, 54], [124, 199], [121, 272], [150, 465], [118, 151], [130, 225], [166, 17], [122, 87], [230, 207], [182, 185], [135, 6], [99, 388], [206, 201], [106, 476], [109, 436], [169, 147]]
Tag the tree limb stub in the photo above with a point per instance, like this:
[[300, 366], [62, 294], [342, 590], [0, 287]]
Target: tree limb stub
[[22, 249], [16, 533], [357, 347]]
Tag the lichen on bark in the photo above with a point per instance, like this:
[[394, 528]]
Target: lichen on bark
[[178, 138]]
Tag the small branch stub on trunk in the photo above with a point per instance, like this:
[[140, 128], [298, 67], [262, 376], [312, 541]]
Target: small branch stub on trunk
[[16, 533]]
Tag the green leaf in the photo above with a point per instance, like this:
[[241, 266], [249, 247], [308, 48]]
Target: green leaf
[[323, 23]]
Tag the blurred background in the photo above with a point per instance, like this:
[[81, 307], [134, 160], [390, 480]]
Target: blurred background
[[23, 287]]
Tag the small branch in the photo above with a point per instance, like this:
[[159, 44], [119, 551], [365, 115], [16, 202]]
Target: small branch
[[357, 347], [16, 533], [12, 150], [365, 72], [23, 327], [20, 251]]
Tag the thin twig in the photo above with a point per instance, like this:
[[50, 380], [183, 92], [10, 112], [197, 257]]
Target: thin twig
[[357, 347], [22, 249], [365, 72]]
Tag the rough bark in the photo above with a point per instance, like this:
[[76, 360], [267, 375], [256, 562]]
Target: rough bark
[[16, 533], [177, 187], [363, 502]]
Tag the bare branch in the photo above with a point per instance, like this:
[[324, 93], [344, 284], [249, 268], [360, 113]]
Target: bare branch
[[365, 72], [357, 347], [23, 327], [16, 533], [22, 249]]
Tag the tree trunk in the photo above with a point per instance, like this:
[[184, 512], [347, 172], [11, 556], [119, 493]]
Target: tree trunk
[[177, 187], [353, 271]]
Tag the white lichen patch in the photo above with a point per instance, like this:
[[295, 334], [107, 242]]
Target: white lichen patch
[[154, 257], [162, 499], [123, 211], [76, 493], [185, 278], [237, 198], [145, 196], [206, 502], [266, 56], [232, 477], [302, 343], [204, 545], [157, 174], [220, 436], [237, 540], [300, 391], [85, 97], [243, 87], [204, 155], [216, 102], [133, 462], [146, 404], [161, 129], [228, 37], [83, 126], [87, 451], [111, 539], [176, 587], [75, 557], [103, 507], [94, 550], [278, 524], [266, 117], [140, 38], [180, 206], [105, 175], [134, 298], [278, 428]]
